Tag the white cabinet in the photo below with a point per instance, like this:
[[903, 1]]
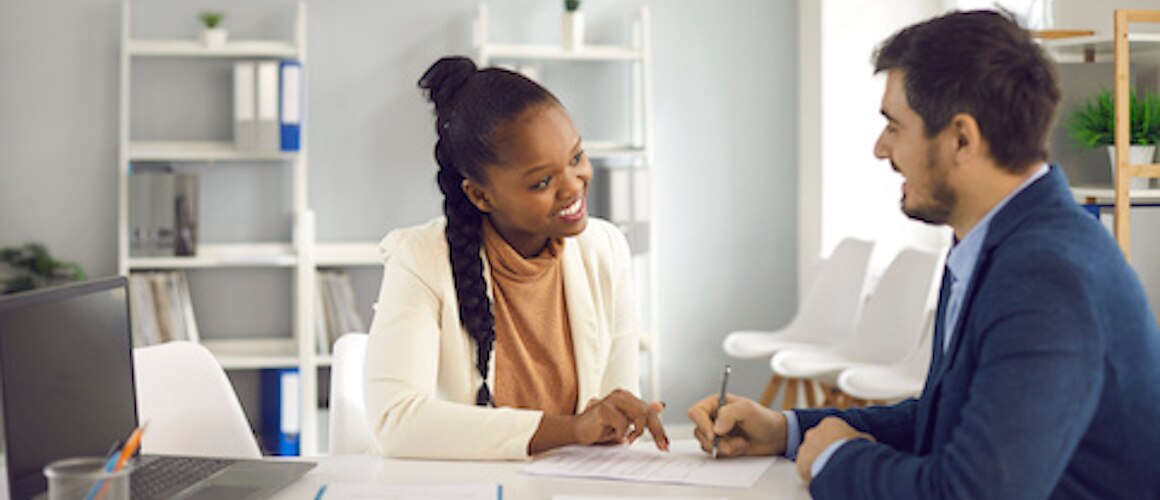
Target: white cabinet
[[622, 165], [295, 348]]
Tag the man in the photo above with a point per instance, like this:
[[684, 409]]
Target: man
[[1045, 376]]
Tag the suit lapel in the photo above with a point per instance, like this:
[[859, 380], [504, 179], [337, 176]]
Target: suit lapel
[[582, 320]]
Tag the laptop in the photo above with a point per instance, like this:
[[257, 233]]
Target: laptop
[[66, 390]]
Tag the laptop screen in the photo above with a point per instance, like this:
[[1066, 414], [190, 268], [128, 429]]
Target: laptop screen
[[66, 377]]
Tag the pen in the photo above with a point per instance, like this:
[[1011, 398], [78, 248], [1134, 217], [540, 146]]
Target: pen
[[720, 403], [321, 491], [110, 464], [116, 461], [131, 445]]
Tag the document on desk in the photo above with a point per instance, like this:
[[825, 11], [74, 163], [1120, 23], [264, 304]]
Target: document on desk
[[684, 464], [360, 491]]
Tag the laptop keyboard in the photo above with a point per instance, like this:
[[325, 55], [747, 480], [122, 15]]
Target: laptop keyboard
[[164, 477]]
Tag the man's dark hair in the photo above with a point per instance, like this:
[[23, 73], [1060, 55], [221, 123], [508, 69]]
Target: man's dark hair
[[979, 63]]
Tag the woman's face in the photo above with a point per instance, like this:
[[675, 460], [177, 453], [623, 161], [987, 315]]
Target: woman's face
[[538, 189]]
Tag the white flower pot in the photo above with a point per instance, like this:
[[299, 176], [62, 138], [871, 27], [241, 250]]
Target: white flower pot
[[214, 38], [1137, 155], [572, 31]]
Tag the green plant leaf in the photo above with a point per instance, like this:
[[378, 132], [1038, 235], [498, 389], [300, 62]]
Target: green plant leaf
[[1093, 124]]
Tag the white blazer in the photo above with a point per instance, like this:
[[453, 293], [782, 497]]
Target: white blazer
[[420, 372]]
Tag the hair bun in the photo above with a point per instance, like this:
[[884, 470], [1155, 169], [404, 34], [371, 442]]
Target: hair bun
[[444, 79]]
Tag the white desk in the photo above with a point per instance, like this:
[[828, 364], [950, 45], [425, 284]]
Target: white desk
[[779, 482]]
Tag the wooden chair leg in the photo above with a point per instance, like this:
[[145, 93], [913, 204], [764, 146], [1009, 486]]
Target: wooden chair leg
[[811, 396], [829, 396], [771, 389], [790, 400]]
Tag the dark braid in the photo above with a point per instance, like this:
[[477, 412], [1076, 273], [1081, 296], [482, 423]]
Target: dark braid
[[469, 105]]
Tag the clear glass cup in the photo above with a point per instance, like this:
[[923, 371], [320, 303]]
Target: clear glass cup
[[85, 479]]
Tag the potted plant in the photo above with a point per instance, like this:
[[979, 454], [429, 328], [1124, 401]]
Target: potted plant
[[572, 26], [213, 35], [30, 266], [1093, 125]]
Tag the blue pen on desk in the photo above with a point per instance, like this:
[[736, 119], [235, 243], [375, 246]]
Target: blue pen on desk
[[720, 403], [321, 491]]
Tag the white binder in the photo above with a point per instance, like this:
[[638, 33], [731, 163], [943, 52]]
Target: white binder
[[245, 126], [268, 133]]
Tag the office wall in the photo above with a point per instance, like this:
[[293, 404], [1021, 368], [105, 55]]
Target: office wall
[[846, 191], [724, 185]]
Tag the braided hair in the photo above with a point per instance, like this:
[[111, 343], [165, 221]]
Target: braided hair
[[470, 104]]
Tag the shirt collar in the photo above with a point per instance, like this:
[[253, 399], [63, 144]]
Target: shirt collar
[[965, 253]]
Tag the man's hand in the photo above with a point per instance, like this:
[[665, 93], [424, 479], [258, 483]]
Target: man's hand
[[820, 437], [745, 427]]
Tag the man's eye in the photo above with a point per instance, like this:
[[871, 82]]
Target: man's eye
[[576, 159]]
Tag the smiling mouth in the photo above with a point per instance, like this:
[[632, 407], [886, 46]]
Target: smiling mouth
[[571, 211]]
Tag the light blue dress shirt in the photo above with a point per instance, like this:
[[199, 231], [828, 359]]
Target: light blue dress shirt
[[961, 261]]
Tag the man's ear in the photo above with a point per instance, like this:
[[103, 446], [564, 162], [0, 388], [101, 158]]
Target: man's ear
[[477, 195], [968, 140]]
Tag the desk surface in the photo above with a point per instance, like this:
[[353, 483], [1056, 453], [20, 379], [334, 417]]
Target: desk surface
[[779, 482]]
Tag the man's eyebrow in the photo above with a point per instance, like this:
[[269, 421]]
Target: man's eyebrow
[[887, 115]]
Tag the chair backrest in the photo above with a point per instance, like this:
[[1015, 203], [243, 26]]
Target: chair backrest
[[895, 312], [349, 430], [831, 306], [189, 403]]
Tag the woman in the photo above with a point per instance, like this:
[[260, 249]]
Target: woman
[[507, 327]]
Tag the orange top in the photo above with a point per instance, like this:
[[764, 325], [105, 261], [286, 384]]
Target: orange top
[[535, 366]]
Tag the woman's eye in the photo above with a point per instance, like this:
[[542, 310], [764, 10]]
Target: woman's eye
[[543, 183]]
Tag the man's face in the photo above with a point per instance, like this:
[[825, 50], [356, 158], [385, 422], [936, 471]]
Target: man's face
[[923, 163]]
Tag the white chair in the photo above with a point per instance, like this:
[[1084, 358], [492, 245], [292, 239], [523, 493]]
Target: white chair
[[826, 314], [883, 384], [349, 430], [189, 404], [889, 328]]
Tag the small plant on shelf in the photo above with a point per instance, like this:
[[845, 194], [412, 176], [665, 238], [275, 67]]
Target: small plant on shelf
[[30, 266], [214, 35], [1094, 123], [211, 19], [572, 26]]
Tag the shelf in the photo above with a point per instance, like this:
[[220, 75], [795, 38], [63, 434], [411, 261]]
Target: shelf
[[1104, 194], [347, 254], [254, 353], [224, 255], [194, 48], [549, 52], [200, 151], [598, 149], [1102, 45]]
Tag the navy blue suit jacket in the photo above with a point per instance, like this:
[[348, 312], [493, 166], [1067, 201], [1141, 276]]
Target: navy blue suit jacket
[[1050, 387]]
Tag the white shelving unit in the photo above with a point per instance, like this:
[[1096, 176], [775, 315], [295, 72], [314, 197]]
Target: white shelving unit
[[297, 348], [633, 154]]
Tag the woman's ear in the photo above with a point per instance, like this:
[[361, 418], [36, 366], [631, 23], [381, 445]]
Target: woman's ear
[[477, 195]]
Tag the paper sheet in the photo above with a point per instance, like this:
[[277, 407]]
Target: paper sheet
[[358, 491], [685, 464]]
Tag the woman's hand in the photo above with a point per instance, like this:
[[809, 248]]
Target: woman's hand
[[619, 417]]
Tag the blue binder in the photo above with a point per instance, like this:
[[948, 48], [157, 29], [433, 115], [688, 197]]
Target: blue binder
[[280, 424], [290, 104]]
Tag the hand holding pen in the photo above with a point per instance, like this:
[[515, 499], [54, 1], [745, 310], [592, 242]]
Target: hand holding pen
[[730, 426]]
